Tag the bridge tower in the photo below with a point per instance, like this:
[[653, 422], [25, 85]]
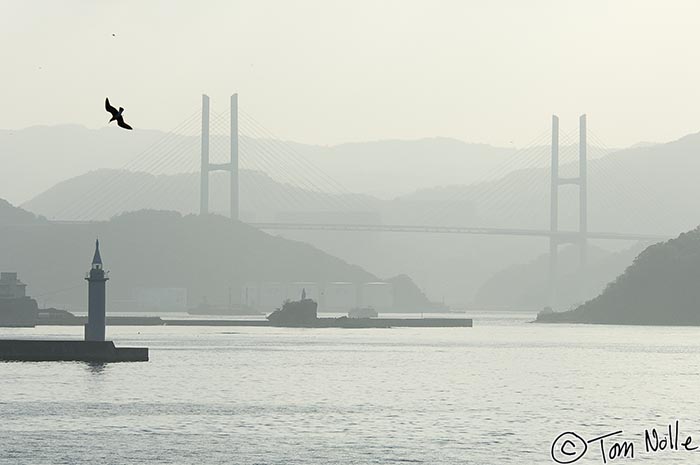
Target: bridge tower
[[582, 182], [231, 166]]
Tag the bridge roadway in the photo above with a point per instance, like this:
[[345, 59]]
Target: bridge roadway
[[563, 236]]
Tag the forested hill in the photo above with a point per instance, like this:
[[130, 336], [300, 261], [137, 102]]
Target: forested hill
[[661, 287], [207, 255], [11, 215]]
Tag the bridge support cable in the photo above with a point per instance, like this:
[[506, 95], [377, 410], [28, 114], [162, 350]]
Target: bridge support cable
[[254, 165], [299, 160], [507, 197], [515, 195], [144, 194], [303, 168], [257, 155], [642, 202], [284, 168], [76, 207], [483, 191], [116, 193], [171, 158], [278, 167], [287, 166], [93, 201], [297, 196]]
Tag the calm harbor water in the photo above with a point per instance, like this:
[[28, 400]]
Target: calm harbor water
[[498, 393]]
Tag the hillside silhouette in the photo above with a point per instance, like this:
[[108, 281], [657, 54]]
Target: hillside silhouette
[[206, 255], [11, 215], [526, 286], [659, 288]]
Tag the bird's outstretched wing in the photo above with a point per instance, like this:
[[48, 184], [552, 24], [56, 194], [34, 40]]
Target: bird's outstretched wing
[[110, 108], [122, 124]]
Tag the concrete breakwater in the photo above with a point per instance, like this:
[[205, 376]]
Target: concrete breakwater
[[318, 323], [30, 350]]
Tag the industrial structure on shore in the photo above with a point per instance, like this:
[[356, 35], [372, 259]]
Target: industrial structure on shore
[[16, 308]]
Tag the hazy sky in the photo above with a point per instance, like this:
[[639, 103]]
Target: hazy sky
[[327, 71]]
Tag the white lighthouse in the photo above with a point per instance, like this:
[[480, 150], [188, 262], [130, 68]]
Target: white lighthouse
[[97, 279]]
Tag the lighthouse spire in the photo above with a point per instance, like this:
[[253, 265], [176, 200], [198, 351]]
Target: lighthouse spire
[[97, 259]]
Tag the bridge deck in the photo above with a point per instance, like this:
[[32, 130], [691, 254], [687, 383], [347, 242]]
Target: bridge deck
[[564, 236]]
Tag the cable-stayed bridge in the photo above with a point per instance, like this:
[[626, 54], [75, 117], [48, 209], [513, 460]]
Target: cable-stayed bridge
[[266, 173]]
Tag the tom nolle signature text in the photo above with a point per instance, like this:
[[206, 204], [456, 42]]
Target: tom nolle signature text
[[570, 447]]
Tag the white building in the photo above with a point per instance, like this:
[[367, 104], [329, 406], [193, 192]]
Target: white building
[[340, 297], [378, 295], [11, 287]]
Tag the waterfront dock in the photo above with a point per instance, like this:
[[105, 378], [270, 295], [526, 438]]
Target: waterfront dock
[[30, 350]]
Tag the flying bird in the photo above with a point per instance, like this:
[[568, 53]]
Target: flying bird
[[116, 115]]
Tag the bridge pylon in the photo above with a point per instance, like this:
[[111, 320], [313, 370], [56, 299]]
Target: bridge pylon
[[581, 181], [231, 166]]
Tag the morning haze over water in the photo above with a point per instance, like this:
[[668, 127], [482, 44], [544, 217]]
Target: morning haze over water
[[349, 232]]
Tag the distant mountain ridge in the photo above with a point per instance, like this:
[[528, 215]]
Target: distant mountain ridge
[[102, 194], [649, 189], [397, 166]]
